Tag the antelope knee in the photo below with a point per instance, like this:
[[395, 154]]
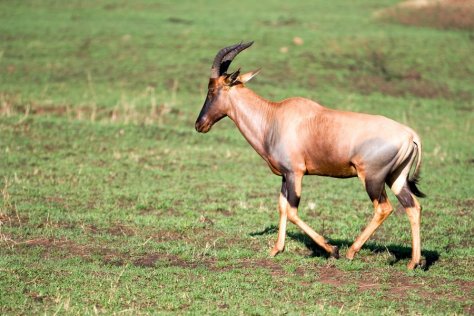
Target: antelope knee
[[293, 216], [384, 209]]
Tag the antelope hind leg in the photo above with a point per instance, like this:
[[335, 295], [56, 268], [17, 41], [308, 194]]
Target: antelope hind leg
[[382, 208]]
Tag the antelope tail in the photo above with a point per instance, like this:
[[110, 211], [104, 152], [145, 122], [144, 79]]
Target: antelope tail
[[415, 177]]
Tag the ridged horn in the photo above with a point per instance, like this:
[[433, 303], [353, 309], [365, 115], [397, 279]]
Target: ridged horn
[[225, 56]]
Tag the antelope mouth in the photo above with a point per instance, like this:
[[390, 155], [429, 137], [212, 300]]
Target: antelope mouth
[[203, 127]]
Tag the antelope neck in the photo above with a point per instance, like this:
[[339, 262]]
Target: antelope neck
[[252, 115]]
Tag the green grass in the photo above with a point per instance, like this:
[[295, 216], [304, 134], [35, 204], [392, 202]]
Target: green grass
[[112, 203]]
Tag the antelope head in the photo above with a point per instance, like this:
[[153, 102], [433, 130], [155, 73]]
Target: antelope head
[[217, 104]]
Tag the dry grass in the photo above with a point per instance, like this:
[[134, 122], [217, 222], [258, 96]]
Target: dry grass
[[441, 14], [127, 110]]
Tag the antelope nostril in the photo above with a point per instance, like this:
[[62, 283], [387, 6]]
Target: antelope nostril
[[200, 125]]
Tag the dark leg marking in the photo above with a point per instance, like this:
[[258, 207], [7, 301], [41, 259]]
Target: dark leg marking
[[405, 197], [374, 188], [288, 190]]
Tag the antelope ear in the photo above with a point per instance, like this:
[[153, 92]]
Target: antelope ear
[[247, 76], [231, 78]]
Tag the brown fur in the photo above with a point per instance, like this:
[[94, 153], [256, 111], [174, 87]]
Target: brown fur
[[298, 136]]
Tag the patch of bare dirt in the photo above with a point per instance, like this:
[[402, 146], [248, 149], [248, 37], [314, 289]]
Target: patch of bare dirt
[[115, 259], [332, 276], [13, 220], [64, 248], [401, 285], [148, 260], [121, 230], [69, 247], [90, 229], [429, 289], [441, 14], [35, 296], [466, 286]]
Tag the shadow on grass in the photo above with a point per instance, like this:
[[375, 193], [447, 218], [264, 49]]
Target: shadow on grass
[[398, 252]]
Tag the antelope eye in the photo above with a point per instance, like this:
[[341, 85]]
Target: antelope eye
[[211, 85], [213, 90]]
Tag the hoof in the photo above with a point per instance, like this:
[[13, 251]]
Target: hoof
[[275, 251], [335, 252], [350, 253], [412, 265]]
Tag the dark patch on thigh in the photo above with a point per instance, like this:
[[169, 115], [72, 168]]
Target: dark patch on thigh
[[374, 189], [405, 197]]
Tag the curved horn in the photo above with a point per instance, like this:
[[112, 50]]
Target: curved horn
[[225, 56], [216, 65], [225, 63]]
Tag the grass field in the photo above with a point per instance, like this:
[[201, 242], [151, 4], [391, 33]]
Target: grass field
[[111, 202]]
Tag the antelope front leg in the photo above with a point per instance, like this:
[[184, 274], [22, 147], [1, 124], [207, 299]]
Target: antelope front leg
[[282, 208], [294, 193], [288, 205]]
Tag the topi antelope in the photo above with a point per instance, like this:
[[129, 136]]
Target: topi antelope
[[298, 136]]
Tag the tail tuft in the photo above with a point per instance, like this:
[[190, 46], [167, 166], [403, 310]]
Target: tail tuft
[[415, 178], [412, 182]]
